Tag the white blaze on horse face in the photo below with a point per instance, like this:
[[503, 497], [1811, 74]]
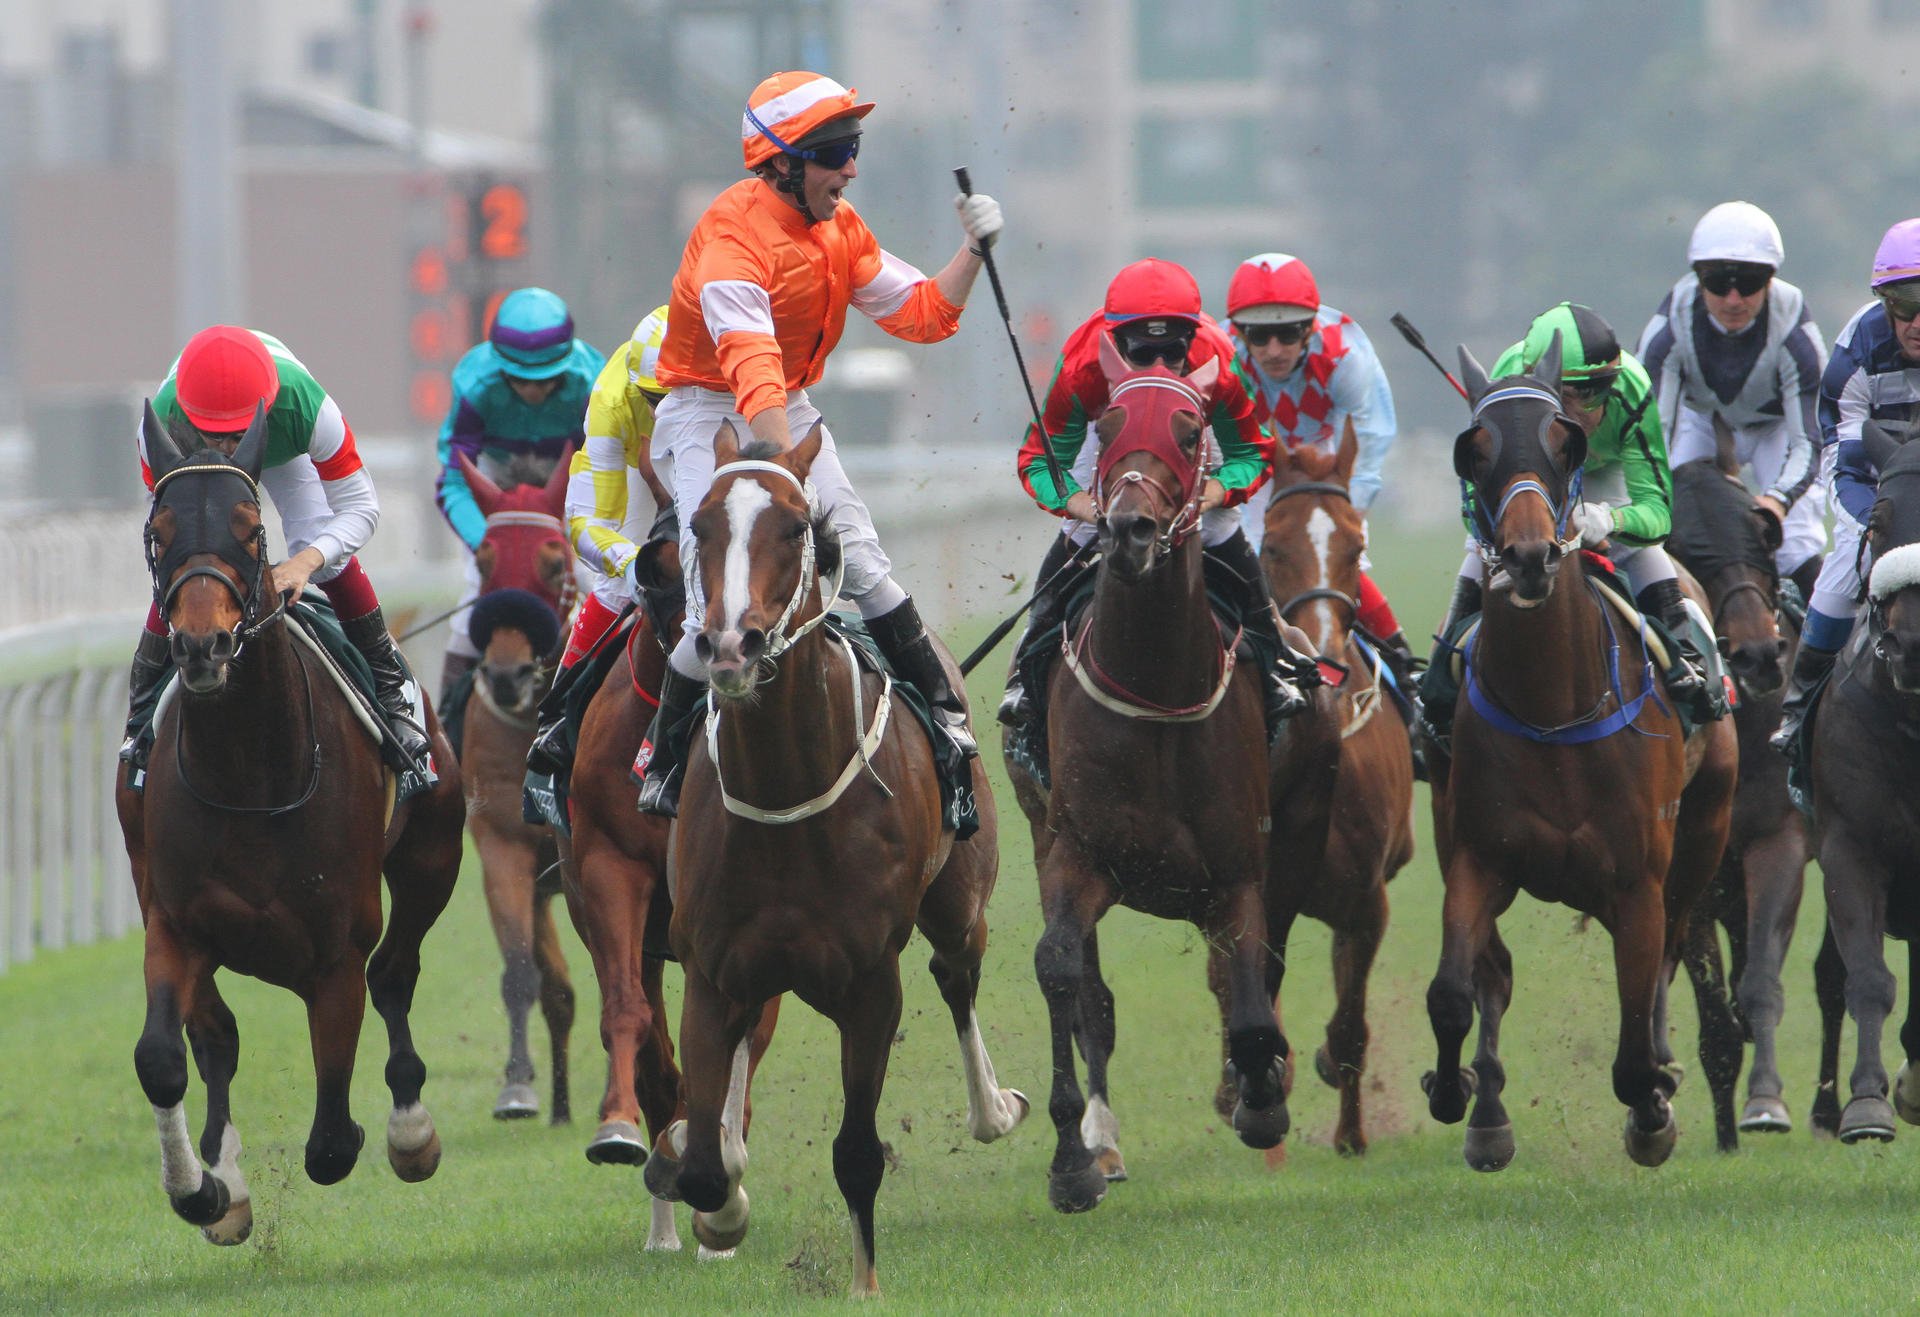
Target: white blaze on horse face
[[745, 502], [1320, 530]]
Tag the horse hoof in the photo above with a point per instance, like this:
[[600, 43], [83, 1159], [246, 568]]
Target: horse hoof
[[516, 1102], [617, 1143], [722, 1239], [413, 1144], [1449, 1108], [1076, 1191], [662, 1173], [1489, 1149], [332, 1165], [1765, 1115], [234, 1227], [1906, 1094], [1113, 1168], [417, 1165], [205, 1205], [1867, 1118], [1323, 1066], [1651, 1149], [1263, 1128]]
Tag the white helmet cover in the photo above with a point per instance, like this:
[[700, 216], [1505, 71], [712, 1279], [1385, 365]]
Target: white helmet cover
[[1736, 231]]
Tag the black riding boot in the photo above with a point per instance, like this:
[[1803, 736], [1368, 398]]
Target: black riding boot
[[391, 683], [1261, 621], [1810, 669], [151, 664], [1437, 690], [903, 638], [1398, 655], [1052, 585], [1686, 675], [665, 749]]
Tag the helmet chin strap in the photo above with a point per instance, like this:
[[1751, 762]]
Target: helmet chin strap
[[792, 180]]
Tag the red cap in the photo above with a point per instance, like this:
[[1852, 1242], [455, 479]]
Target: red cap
[[223, 374], [1152, 288], [1272, 288]]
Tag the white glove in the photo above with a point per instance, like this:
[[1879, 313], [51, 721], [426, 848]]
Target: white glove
[[980, 217], [1594, 521]]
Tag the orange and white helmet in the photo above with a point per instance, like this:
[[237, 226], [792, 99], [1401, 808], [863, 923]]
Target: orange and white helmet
[[788, 106], [1272, 288]]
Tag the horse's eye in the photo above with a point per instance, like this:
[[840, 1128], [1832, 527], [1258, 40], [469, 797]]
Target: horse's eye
[[797, 532]]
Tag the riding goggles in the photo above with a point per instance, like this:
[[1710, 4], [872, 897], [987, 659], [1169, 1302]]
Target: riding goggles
[[830, 155], [1901, 300], [1592, 388], [1145, 352], [1258, 336], [1723, 277]]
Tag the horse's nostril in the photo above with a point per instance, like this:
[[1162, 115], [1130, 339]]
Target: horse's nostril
[[223, 647], [753, 643], [703, 648]]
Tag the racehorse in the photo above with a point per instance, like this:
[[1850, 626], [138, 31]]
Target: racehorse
[[1569, 778], [1159, 797], [612, 870], [810, 845], [257, 846], [1311, 554], [1865, 754], [525, 562], [1756, 894]]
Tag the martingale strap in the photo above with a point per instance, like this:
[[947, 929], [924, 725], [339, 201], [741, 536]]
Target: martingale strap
[[1588, 727]]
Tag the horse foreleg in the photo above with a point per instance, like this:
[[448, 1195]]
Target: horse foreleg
[[1640, 967], [1071, 902], [556, 1002], [336, 1004], [1906, 1085], [1857, 910], [1830, 992], [713, 1039], [868, 1018], [1343, 1059], [1474, 898], [1489, 1144], [959, 945], [609, 901], [1256, 1051], [1096, 1033], [507, 867], [1721, 1049], [214, 1035], [1775, 874], [160, 1062]]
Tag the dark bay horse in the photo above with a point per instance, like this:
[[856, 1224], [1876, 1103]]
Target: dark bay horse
[[809, 846], [1569, 779], [1159, 798], [1866, 827], [527, 590], [258, 843], [1311, 556], [1756, 894]]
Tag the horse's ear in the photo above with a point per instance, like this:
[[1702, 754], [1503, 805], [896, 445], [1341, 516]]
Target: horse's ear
[[486, 494], [1879, 443], [1474, 375], [1112, 364], [554, 494], [726, 445], [800, 457], [1349, 450], [251, 455], [1203, 377], [1547, 369], [163, 455]]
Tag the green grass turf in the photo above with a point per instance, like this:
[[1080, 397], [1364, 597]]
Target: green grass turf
[[517, 1220]]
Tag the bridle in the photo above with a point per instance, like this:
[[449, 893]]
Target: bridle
[[1187, 519], [779, 639], [1332, 490], [252, 622], [1485, 525]]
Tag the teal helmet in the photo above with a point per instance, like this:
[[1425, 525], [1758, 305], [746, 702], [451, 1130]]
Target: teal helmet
[[1588, 347], [532, 334]]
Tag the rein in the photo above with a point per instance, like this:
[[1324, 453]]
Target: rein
[[1110, 694]]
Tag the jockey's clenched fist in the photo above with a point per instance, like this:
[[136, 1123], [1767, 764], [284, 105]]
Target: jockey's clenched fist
[[980, 217]]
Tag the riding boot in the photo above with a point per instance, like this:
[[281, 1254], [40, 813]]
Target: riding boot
[[663, 755], [393, 690], [903, 639], [1810, 669], [1053, 584], [552, 750], [1398, 655], [1686, 674], [1437, 689], [1290, 669], [151, 664]]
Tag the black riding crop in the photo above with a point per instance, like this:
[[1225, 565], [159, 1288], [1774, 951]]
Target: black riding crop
[[1413, 336]]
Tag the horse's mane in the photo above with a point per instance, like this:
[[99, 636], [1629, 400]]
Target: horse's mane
[[525, 469], [1713, 522], [1314, 464]]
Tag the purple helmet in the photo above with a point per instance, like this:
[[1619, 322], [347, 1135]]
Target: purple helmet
[[1898, 256]]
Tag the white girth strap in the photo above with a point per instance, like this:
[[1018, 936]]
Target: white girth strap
[[862, 757]]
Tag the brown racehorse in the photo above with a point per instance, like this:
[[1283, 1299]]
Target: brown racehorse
[[1159, 797], [614, 862], [1569, 778], [257, 846], [810, 845], [1756, 894], [1311, 554], [525, 550]]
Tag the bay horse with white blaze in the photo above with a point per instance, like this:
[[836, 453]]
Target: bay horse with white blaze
[[526, 567], [1159, 796], [810, 845], [257, 845], [1570, 778]]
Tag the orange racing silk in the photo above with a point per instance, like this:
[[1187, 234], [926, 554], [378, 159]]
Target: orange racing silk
[[761, 297]]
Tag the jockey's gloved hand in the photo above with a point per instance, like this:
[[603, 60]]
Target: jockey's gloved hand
[[1594, 521], [980, 217]]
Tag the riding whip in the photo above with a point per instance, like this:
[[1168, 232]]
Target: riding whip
[[1413, 336], [999, 633]]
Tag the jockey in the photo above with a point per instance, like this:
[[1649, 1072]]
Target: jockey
[[759, 301], [1310, 370], [522, 393], [613, 498], [1627, 494], [328, 511], [1152, 312], [1874, 373], [1731, 340]]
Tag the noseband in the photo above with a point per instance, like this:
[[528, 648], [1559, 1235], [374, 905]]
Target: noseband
[[254, 571], [1187, 519], [779, 640]]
